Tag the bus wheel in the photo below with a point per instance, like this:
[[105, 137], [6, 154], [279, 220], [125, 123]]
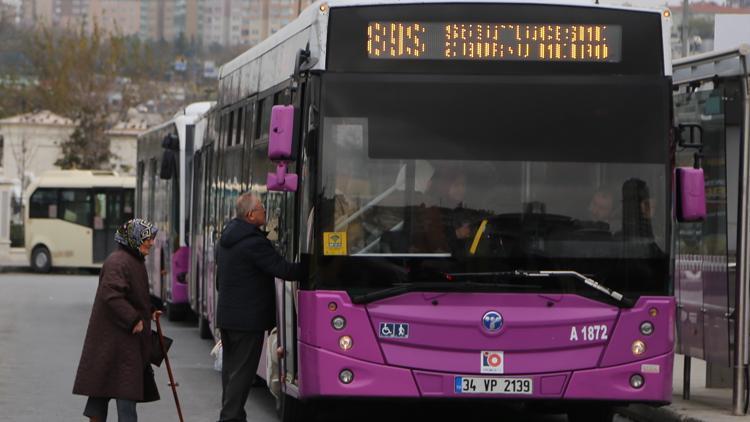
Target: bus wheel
[[204, 328], [592, 413], [175, 312], [41, 261], [289, 409]]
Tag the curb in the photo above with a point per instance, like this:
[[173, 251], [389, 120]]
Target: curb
[[644, 413]]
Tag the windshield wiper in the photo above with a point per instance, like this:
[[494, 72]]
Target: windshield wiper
[[619, 297], [627, 302], [441, 286]]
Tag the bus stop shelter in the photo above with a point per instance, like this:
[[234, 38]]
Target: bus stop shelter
[[711, 274]]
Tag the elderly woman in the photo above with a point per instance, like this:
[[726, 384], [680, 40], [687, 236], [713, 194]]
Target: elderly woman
[[115, 360]]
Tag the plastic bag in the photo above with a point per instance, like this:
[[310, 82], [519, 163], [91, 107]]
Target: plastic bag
[[217, 353], [272, 363]]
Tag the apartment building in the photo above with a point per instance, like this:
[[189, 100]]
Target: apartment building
[[244, 22], [210, 22]]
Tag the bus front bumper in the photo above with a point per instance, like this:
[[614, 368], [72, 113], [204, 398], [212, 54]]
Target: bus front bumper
[[320, 377]]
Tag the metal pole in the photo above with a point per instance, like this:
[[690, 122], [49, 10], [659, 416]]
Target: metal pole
[[684, 29], [686, 378], [743, 275]]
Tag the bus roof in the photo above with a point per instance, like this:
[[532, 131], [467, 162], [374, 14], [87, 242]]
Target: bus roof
[[186, 115], [726, 64], [272, 61], [81, 179], [313, 13]]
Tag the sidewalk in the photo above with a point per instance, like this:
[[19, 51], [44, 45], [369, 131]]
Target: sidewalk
[[705, 404], [16, 258]]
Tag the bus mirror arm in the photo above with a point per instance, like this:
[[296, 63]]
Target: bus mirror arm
[[689, 136], [281, 180], [303, 62]]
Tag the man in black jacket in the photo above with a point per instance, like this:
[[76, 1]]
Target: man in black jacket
[[246, 266]]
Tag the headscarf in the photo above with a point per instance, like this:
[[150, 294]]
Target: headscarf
[[134, 232]]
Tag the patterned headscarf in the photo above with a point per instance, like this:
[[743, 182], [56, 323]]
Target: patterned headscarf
[[134, 232]]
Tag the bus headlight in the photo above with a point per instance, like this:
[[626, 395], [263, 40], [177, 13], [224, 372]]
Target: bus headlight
[[647, 328], [638, 348], [346, 343], [636, 381], [338, 323], [346, 376]]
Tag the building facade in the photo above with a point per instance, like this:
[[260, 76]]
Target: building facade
[[31, 144], [111, 16], [10, 11], [117, 16], [244, 22], [701, 23], [209, 22], [168, 19]]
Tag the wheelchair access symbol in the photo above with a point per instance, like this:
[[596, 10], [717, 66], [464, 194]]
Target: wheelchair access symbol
[[393, 330]]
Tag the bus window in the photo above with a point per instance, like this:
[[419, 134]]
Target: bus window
[[141, 182], [152, 189], [230, 128], [43, 204], [128, 207], [265, 121], [238, 131], [100, 210], [75, 206], [259, 119]]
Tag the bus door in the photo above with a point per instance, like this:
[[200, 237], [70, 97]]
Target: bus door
[[703, 287], [289, 242], [111, 208]]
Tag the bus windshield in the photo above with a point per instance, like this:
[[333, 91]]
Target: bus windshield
[[471, 176]]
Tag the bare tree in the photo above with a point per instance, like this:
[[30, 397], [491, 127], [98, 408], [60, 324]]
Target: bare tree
[[22, 154], [78, 72]]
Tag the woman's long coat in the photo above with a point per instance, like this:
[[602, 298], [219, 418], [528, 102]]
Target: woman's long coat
[[114, 360]]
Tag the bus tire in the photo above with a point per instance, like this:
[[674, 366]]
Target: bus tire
[[591, 413], [204, 328], [289, 409], [41, 260], [175, 312]]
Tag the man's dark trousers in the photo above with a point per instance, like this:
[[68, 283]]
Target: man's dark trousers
[[240, 356]]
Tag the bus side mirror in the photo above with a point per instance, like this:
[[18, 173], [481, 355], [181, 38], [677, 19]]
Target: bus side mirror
[[690, 198], [281, 137], [281, 134]]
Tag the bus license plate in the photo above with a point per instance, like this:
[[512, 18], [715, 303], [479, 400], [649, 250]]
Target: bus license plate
[[477, 385]]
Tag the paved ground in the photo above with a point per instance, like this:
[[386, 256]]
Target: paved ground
[[43, 321], [42, 325], [705, 404]]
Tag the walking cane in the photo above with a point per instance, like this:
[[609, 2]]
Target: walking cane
[[169, 367]]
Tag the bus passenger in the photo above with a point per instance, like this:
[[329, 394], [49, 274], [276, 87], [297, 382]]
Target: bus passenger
[[444, 225], [112, 363], [247, 264], [344, 207], [601, 210], [637, 211]]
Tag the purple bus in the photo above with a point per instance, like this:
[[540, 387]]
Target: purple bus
[[163, 190], [481, 192]]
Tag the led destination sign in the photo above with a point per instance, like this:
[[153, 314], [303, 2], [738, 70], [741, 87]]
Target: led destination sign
[[552, 42]]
